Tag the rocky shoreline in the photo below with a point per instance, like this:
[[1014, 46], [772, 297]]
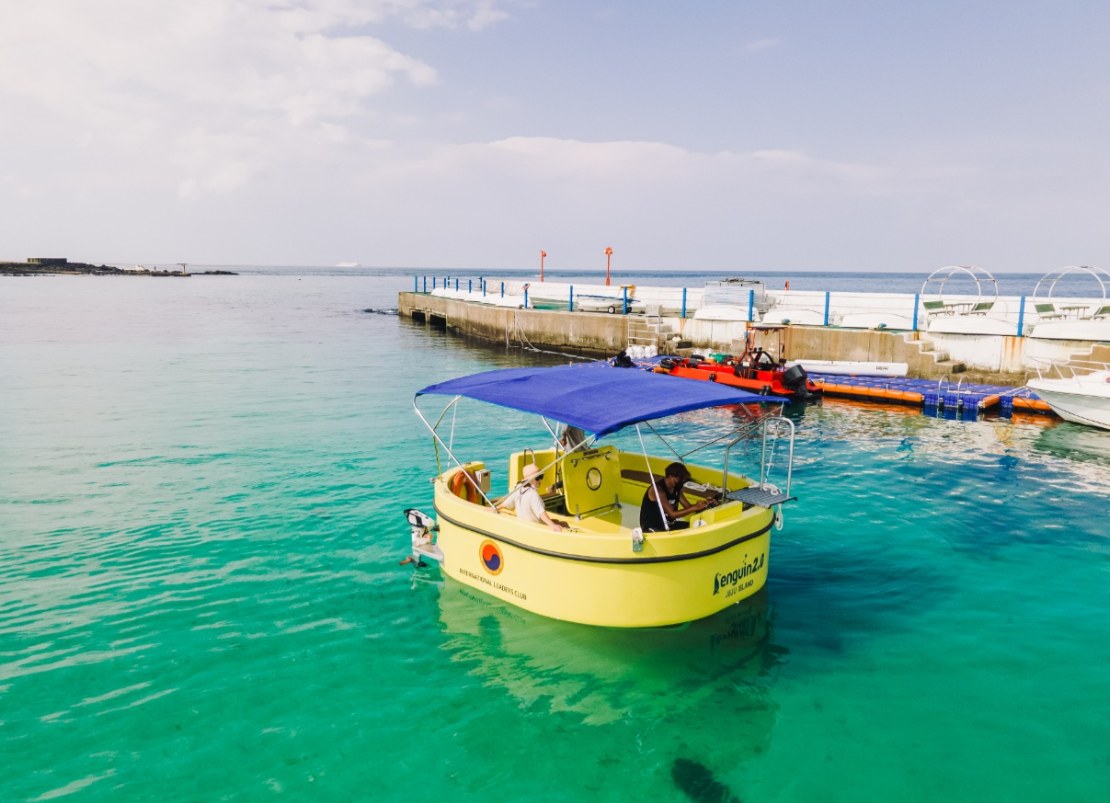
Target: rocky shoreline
[[85, 269]]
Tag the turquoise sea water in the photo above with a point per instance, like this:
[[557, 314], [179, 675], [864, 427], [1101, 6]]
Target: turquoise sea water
[[200, 597]]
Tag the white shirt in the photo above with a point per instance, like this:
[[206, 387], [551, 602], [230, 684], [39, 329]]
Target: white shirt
[[527, 503]]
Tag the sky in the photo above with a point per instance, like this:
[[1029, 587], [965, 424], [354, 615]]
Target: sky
[[471, 134]]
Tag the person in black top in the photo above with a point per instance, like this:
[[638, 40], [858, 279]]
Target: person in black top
[[667, 494], [622, 360]]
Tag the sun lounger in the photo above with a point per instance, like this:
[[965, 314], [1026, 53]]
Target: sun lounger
[[1047, 312], [935, 308]]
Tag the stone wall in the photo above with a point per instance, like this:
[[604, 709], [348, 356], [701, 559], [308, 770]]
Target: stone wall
[[988, 359]]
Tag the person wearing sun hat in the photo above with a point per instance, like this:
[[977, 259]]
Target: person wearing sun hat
[[527, 502], [665, 498]]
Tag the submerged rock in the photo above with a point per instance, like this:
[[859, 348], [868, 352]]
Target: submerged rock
[[697, 782]]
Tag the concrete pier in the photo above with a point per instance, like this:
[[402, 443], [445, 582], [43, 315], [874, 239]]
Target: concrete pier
[[980, 354]]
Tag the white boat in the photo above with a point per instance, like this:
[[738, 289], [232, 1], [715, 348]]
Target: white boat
[[725, 312], [852, 367], [610, 304], [603, 567], [1076, 391]]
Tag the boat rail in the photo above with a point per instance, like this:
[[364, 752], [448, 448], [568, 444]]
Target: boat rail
[[1072, 369], [1046, 286], [770, 429], [935, 302]]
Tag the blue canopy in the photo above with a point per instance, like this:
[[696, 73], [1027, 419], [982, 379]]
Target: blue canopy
[[595, 397]]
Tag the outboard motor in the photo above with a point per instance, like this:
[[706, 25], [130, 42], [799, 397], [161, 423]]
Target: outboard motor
[[796, 379], [422, 526]]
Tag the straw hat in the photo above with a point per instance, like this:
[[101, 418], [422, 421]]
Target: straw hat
[[531, 472]]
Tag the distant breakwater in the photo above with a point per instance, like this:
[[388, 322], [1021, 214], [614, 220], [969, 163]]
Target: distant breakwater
[[86, 269]]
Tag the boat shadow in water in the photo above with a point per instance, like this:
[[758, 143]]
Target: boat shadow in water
[[1075, 442], [657, 688]]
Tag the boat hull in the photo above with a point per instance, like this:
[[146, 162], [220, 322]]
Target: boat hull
[[1081, 400], [852, 368], [764, 382], [596, 578]]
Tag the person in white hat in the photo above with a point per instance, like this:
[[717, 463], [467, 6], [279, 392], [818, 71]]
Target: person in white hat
[[527, 502]]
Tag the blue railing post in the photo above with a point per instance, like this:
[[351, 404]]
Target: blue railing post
[[570, 300], [502, 289], [1021, 317], [416, 284], [683, 315], [525, 298], [456, 284], [426, 283], [624, 299], [483, 287], [751, 306], [916, 302], [827, 296], [469, 286]]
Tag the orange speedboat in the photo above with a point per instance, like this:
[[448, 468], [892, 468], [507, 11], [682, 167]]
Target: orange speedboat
[[755, 370]]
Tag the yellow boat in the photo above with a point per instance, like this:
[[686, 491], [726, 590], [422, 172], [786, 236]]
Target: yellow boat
[[603, 569]]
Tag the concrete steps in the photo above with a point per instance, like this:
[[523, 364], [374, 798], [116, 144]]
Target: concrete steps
[[941, 364], [648, 331]]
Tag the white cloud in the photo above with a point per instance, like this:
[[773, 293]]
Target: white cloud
[[281, 130], [655, 199], [200, 94], [632, 164], [757, 45]]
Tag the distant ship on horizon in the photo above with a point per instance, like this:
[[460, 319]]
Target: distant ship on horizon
[[347, 265]]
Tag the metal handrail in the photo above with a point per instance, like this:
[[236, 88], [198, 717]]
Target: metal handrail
[[1098, 274], [1050, 369], [977, 275], [765, 424]]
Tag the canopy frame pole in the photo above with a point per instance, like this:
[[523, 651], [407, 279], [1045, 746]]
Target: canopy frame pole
[[438, 441], [651, 474]]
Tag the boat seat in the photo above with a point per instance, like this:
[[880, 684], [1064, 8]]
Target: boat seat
[[1047, 311], [592, 481], [1102, 312], [982, 308], [935, 308]]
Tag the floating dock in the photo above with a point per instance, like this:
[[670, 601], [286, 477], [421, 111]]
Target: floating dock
[[964, 399]]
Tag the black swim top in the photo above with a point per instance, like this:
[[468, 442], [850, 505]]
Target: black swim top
[[651, 520]]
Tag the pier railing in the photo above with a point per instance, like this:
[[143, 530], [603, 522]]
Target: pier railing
[[950, 314]]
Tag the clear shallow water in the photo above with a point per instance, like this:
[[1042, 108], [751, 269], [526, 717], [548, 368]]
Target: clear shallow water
[[200, 595]]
